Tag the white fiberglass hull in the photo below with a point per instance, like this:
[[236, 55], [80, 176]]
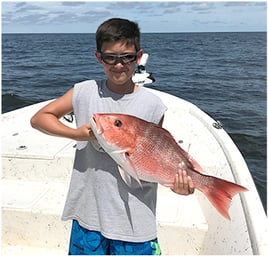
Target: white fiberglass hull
[[36, 170]]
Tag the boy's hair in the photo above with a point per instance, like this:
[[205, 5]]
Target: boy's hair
[[117, 29]]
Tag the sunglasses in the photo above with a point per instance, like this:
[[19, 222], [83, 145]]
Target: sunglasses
[[112, 59]]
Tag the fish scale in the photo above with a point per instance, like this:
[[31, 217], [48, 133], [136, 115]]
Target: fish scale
[[153, 151]]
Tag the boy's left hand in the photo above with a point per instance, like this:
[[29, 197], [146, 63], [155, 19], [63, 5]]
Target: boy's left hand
[[183, 184]]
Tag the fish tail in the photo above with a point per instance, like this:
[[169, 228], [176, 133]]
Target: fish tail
[[220, 193]]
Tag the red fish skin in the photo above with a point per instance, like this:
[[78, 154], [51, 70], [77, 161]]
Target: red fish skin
[[156, 157]]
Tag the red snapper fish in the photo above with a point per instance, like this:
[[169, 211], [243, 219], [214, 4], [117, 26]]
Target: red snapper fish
[[148, 152]]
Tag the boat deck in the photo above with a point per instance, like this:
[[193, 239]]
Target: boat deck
[[36, 171], [34, 188]]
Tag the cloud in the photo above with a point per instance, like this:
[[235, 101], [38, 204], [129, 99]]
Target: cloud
[[85, 16], [208, 22], [262, 4], [130, 5], [21, 13], [18, 5], [237, 4], [170, 7], [122, 5], [93, 15], [37, 18], [204, 6], [73, 3], [50, 13], [26, 7]]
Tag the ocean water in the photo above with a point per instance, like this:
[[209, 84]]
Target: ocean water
[[222, 73]]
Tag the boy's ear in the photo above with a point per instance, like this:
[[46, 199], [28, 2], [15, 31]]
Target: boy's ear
[[98, 57], [140, 53]]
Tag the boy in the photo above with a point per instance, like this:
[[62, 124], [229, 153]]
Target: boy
[[108, 216]]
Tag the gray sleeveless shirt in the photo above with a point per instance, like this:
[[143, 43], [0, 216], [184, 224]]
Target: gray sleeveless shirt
[[98, 198]]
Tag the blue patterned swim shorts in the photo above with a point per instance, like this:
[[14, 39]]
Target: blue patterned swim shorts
[[86, 242]]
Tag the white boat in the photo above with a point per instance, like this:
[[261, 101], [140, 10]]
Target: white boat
[[36, 171]]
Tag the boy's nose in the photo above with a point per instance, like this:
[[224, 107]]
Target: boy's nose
[[119, 63]]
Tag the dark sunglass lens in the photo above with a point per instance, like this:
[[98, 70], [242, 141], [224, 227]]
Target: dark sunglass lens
[[112, 59], [108, 59], [129, 58]]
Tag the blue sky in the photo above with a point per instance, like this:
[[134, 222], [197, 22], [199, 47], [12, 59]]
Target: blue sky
[[84, 17]]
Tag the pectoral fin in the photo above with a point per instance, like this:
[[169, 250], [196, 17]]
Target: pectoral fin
[[125, 176], [125, 166]]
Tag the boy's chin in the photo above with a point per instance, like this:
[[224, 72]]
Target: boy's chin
[[121, 80]]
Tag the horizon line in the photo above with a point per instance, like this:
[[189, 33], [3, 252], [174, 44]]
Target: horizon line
[[182, 32]]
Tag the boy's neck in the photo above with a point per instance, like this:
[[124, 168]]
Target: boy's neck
[[122, 89]]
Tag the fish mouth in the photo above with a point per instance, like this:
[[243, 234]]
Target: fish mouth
[[95, 125]]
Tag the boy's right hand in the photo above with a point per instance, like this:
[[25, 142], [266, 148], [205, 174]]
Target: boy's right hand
[[84, 133]]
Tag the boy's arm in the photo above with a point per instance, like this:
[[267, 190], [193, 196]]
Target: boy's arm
[[47, 121]]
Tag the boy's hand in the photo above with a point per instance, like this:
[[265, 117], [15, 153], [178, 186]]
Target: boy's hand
[[84, 132], [183, 184]]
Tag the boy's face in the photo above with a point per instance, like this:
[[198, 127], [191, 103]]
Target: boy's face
[[119, 74]]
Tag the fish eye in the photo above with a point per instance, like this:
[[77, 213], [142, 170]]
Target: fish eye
[[117, 123]]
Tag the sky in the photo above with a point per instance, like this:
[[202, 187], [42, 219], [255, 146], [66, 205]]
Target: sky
[[152, 16]]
